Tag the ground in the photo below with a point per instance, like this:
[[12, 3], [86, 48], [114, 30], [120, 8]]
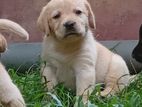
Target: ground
[[36, 95]]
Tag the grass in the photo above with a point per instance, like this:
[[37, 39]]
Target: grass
[[36, 95]]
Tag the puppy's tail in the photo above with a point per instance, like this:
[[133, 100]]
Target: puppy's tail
[[11, 26]]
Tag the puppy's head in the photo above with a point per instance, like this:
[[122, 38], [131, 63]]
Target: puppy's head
[[66, 18]]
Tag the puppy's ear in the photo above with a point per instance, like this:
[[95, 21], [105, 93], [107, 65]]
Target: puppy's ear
[[140, 33], [3, 43], [91, 16], [42, 22]]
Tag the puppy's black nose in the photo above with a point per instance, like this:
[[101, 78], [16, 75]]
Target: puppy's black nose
[[69, 25]]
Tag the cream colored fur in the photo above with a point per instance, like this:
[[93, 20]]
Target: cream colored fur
[[79, 61], [10, 95]]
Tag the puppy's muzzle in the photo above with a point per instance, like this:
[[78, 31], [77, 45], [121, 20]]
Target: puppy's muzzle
[[69, 25], [70, 28]]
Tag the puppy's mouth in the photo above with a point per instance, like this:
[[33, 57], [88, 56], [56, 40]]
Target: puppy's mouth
[[71, 33]]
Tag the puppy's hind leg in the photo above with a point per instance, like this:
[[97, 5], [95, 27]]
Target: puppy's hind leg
[[117, 77]]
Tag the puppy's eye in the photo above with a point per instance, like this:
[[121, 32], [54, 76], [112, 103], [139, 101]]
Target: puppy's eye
[[57, 16], [78, 12]]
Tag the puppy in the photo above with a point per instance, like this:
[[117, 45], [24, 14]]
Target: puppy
[[10, 95], [137, 52], [71, 53]]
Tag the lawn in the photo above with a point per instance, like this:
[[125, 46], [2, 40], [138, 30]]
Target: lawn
[[35, 94]]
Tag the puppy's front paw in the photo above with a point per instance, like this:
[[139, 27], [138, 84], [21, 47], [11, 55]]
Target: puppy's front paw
[[81, 101]]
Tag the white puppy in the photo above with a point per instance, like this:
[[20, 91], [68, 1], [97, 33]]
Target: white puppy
[[10, 95], [71, 53]]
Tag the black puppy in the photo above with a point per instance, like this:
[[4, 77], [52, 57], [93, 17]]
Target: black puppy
[[137, 52]]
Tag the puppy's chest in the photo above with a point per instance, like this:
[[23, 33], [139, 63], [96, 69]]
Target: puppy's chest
[[65, 74], [64, 69]]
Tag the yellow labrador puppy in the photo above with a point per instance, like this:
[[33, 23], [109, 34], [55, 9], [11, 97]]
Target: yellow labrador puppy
[[71, 53], [10, 95]]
